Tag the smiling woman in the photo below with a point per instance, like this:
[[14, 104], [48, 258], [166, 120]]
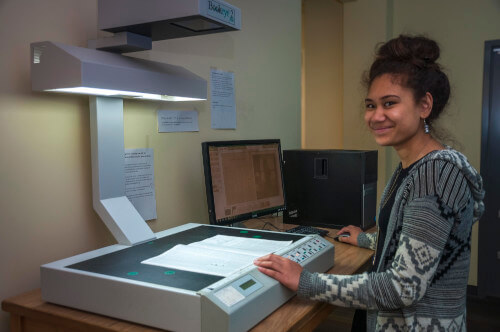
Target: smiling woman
[[422, 245]]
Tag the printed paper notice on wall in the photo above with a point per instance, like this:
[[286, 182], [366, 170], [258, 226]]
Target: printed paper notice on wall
[[222, 103], [177, 121], [140, 181]]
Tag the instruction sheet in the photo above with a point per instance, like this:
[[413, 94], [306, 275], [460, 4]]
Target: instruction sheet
[[140, 181], [177, 121], [222, 102]]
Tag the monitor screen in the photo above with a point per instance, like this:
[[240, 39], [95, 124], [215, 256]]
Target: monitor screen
[[243, 179]]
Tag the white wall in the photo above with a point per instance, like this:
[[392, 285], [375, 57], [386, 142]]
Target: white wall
[[45, 176]]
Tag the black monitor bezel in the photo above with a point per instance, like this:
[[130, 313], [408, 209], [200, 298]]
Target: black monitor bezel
[[208, 181]]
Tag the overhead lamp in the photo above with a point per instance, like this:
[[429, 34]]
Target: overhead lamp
[[56, 67], [108, 78], [122, 94]]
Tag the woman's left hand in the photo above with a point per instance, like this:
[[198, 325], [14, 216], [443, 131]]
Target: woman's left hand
[[286, 271]]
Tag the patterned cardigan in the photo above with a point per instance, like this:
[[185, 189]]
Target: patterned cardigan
[[420, 281]]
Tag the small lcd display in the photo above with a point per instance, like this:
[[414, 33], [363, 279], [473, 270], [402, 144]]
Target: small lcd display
[[247, 284]]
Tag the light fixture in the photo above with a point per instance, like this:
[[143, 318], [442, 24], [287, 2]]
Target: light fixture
[[57, 67], [122, 94], [108, 78]]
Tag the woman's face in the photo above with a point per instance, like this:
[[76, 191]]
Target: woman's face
[[391, 113]]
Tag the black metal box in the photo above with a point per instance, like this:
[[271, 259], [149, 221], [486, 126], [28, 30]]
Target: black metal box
[[330, 188]]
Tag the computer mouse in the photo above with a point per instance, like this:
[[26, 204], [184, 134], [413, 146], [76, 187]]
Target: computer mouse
[[341, 235]]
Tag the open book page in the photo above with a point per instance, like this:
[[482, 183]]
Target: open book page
[[219, 255], [249, 246]]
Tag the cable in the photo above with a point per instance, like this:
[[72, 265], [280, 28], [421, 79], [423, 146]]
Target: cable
[[268, 223]]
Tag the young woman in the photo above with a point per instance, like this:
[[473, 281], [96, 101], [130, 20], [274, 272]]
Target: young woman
[[422, 246]]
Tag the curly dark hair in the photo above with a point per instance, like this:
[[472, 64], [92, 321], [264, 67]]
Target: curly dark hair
[[412, 60]]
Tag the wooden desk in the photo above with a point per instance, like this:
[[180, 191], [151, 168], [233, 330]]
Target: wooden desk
[[28, 313]]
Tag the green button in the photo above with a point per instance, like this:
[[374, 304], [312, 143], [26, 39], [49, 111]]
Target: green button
[[133, 273], [257, 236], [244, 232], [168, 273]]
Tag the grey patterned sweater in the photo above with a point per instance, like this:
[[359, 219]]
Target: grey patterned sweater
[[420, 281]]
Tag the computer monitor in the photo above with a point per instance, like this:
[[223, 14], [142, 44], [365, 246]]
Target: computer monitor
[[243, 179]]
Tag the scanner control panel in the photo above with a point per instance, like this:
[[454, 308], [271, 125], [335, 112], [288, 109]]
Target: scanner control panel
[[307, 250]]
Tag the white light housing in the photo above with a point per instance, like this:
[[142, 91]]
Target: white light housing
[[57, 67], [121, 94]]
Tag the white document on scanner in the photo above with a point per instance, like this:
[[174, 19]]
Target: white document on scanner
[[219, 255]]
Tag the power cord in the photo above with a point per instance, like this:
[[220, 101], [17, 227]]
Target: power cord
[[266, 223]]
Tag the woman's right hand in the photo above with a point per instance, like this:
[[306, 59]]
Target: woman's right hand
[[353, 232]]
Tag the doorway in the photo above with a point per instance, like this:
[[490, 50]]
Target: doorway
[[489, 225]]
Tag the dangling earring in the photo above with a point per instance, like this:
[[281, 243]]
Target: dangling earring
[[426, 127]]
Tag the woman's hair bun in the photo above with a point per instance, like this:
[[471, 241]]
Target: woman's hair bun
[[419, 50]]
